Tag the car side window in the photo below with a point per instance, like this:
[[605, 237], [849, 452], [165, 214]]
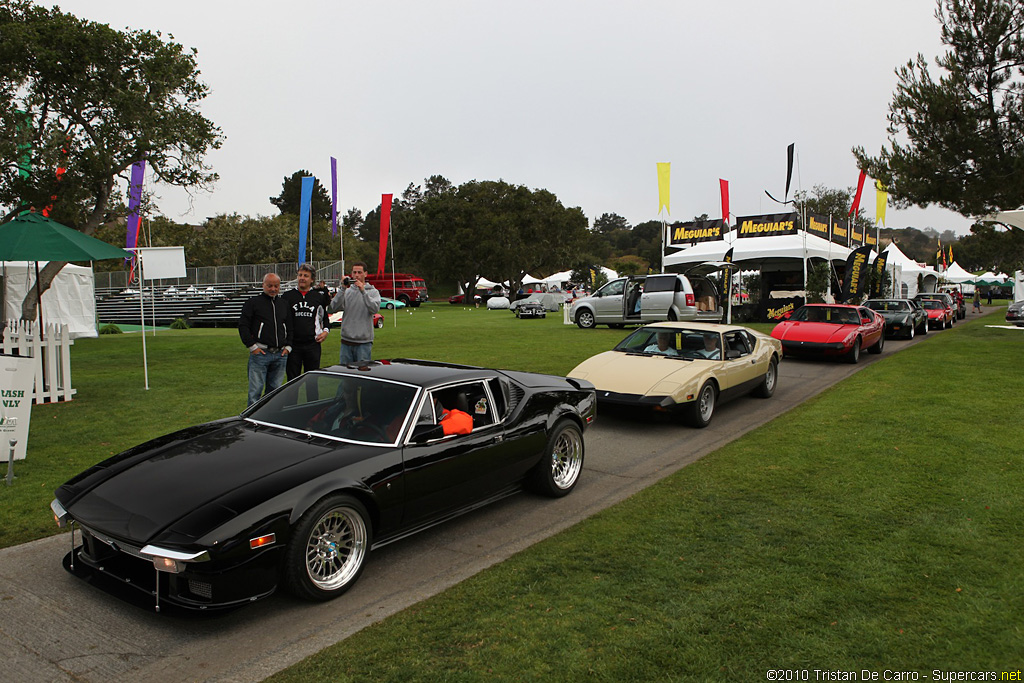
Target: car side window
[[660, 284], [471, 398], [613, 288], [737, 341]]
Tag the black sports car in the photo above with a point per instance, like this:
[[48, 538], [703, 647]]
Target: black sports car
[[1015, 313], [301, 486], [903, 317]]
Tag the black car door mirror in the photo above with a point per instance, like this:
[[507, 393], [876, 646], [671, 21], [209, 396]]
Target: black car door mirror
[[425, 433]]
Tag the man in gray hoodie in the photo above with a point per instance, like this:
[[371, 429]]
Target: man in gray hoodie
[[359, 300]]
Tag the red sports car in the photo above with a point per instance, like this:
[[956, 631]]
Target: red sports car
[[940, 315], [831, 330]]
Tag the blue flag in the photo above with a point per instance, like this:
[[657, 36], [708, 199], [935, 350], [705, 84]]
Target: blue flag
[[304, 200]]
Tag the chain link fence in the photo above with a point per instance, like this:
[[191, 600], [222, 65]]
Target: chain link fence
[[330, 271]]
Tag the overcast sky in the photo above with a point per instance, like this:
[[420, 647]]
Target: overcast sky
[[579, 98]]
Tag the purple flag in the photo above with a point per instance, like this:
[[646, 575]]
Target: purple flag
[[334, 197], [304, 199], [134, 199]]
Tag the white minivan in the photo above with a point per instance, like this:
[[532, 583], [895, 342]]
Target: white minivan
[[642, 299]]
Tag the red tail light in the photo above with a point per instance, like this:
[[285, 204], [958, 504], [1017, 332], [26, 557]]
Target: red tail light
[[690, 301]]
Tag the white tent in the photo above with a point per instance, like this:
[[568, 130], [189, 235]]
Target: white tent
[[1018, 285], [70, 300], [558, 280], [1012, 218], [956, 273], [763, 251], [909, 271]]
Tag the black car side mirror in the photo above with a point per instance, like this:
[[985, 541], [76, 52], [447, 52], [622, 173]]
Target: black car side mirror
[[425, 433]]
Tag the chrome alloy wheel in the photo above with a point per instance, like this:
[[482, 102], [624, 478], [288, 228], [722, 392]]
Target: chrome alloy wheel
[[770, 377], [706, 403], [336, 548], [566, 458]]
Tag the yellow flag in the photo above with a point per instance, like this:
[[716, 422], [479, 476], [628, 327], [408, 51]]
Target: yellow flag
[[664, 168], [881, 200]]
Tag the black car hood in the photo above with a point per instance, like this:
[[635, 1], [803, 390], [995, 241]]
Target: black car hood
[[137, 496]]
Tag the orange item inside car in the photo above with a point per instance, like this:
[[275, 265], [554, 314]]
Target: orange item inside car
[[456, 422]]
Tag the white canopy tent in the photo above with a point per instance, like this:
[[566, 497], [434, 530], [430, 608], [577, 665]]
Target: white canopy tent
[[1018, 285], [909, 270], [70, 300], [1014, 219], [763, 251], [956, 273]]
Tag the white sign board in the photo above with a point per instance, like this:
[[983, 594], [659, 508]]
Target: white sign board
[[16, 378], [161, 263]]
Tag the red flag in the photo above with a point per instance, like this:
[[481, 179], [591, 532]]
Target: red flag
[[385, 225], [724, 186], [856, 199]]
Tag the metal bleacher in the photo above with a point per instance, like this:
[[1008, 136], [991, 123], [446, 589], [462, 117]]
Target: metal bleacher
[[208, 296], [210, 306]]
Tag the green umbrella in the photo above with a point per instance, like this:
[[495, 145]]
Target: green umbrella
[[31, 237]]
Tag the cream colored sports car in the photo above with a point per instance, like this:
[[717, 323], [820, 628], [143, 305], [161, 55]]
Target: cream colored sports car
[[684, 366]]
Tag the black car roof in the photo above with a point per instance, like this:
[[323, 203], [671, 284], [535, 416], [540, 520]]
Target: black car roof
[[413, 371]]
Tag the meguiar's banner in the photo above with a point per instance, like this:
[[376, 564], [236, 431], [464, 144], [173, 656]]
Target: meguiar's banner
[[818, 225], [841, 232], [856, 267], [767, 225], [692, 232], [856, 235], [879, 266]]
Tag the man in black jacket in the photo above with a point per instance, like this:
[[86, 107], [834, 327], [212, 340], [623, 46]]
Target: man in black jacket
[[266, 327], [309, 306]]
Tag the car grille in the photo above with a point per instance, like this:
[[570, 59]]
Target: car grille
[[200, 589], [120, 546]]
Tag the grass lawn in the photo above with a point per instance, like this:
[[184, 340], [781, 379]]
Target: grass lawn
[[876, 527]]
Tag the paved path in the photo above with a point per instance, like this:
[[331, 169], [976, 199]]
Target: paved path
[[56, 628]]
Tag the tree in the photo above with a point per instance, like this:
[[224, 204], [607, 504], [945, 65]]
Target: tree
[[79, 95], [610, 222], [492, 228], [290, 199], [964, 132]]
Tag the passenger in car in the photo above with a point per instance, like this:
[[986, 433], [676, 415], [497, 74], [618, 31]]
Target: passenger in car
[[663, 345]]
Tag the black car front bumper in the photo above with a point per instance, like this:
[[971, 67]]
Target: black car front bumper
[[120, 568]]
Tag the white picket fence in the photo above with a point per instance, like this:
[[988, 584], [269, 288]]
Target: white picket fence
[[52, 354]]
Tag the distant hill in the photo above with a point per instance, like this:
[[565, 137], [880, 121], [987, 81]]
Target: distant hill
[[919, 245]]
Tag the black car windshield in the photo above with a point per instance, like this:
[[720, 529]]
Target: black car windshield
[[345, 407], [889, 305], [836, 315], [933, 304], [689, 344]]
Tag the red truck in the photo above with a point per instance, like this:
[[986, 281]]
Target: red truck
[[405, 287]]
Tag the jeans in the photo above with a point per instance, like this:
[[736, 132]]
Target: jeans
[[266, 370], [356, 353]]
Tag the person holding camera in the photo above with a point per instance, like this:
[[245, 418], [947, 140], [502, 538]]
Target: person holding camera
[[360, 301], [309, 306]]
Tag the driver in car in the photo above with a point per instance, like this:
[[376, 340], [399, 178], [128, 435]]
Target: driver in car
[[710, 349]]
